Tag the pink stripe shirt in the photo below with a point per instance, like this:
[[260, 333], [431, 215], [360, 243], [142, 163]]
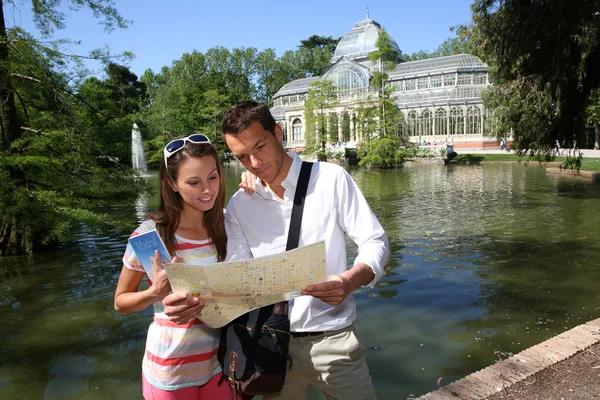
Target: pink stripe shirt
[[178, 356]]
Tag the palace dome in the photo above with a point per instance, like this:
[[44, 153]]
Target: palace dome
[[360, 41]]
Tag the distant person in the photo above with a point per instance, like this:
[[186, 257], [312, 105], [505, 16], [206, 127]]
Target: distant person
[[180, 361], [324, 348], [557, 150]]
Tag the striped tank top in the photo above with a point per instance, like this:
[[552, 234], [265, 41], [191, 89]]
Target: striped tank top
[[178, 356]]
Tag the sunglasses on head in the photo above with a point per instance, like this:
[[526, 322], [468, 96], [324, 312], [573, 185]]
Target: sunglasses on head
[[175, 145]]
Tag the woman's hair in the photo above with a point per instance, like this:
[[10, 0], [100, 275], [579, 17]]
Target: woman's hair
[[171, 203]]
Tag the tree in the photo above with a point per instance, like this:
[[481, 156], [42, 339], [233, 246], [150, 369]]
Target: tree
[[386, 57], [266, 68], [53, 173], [464, 42], [215, 105], [384, 152], [381, 116], [545, 56], [313, 62], [315, 54], [593, 115], [109, 107], [320, 42], [321, 98], [127, 91]]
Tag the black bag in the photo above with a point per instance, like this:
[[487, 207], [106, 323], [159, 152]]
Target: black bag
[[253, 352]]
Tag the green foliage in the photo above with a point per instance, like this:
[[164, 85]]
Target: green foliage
[[383, 152], [315, 54], [321, 42], [321, 98], [526, 106], [592, 114], [572, 162], [56, 182], [125, 89], [469, 158], [381, 117], [108, 107], [592, 111], [47, 18], [465, 41], [193, 94], [65, 149], [546, 58], [384, 52]]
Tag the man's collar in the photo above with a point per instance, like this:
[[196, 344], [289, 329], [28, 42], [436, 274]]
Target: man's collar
[[291, 180], [294, 172]]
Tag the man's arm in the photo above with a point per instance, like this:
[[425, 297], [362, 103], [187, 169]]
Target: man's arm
[[338, 287], [360, 223], [362, 226]]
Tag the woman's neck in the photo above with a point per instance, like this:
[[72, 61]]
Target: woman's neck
[[191, 225]]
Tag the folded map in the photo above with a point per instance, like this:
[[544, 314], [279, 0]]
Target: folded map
[[233, 288]]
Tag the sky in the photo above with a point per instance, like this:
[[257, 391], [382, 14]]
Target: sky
[[162, 31]]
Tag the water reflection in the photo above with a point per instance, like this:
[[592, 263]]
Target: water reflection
[[141, 208], [486, 261], [476, 273]]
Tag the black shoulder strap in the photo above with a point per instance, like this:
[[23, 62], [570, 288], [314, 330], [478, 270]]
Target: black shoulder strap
[[298, 208]]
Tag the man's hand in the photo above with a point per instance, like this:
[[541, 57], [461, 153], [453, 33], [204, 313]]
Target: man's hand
[[181, 308], [333, 292]]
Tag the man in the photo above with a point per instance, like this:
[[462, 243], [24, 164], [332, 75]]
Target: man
[[323, 345]]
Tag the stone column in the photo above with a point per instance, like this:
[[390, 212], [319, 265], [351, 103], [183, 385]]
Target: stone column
[[352, 133], [340, 125], [359, 131], [482, 112], [465, 122]]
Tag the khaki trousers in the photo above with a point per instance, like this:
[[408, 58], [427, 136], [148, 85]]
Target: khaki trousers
[[333, 362]]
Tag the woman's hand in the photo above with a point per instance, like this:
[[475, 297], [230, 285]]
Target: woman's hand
[[160, 284], [181, 308], [248, 183]]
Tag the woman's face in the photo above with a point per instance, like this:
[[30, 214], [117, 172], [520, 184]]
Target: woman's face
[[198, 182]]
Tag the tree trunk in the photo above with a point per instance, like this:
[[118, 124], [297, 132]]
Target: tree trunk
[[13, 242], [597, 132], [14, 239], [8, 112]]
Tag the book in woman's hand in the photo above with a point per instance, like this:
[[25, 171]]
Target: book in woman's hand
[[144, 246]]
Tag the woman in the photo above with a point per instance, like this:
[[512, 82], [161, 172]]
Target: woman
[[180, 361]]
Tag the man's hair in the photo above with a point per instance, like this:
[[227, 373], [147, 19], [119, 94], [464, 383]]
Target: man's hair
[[240, 116]]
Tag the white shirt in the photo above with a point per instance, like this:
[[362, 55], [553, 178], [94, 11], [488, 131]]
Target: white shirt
[[258, 226]]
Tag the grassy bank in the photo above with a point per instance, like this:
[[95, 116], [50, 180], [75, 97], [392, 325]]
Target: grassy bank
[[587, 164]]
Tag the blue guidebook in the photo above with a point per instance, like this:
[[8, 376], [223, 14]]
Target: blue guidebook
[[144, 245]]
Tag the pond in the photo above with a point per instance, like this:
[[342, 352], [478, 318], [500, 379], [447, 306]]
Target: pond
[[486, 261]]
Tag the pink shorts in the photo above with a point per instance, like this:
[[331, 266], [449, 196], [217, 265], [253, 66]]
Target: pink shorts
[[210, 390]]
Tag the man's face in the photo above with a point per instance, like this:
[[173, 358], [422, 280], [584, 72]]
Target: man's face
[[259, 151]]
